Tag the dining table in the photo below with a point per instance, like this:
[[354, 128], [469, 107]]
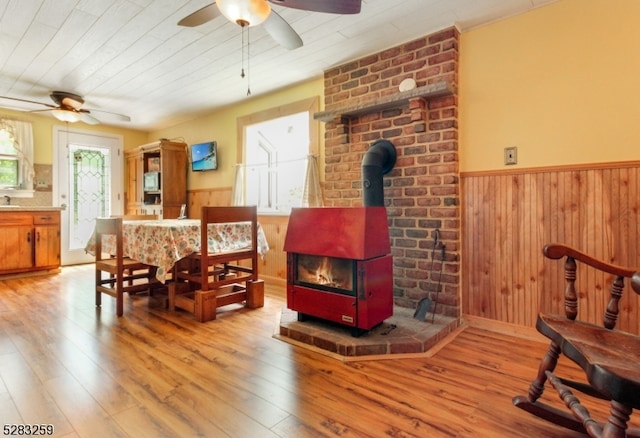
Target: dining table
[[162, 242]]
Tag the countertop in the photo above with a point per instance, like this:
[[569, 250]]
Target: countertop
[[14, 208]]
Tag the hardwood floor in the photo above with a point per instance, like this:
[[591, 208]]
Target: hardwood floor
[[154, 373]]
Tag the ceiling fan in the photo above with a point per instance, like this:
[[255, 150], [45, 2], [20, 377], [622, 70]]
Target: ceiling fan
[[247, 13], [68, 108]]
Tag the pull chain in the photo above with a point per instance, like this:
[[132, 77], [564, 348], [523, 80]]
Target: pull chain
[[243, 25], [248, 61], [242, 52]]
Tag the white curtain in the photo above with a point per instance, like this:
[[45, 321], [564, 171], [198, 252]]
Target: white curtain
[[312, 191], [237, 193], [23, 142]]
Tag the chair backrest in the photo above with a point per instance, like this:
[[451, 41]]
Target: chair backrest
[[557, 251], [217, 215], [111, 226]]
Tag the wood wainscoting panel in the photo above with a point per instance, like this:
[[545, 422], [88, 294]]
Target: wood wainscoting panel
[[214, 197], [273, 267], [507, 217]]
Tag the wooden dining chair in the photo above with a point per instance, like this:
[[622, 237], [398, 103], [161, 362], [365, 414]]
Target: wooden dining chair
[[116, 274], [207, 280], [609, 357], [138, 217]]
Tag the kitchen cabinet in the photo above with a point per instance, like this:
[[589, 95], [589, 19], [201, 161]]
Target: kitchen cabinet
[[29, 241], [164, 165], [46, 239]]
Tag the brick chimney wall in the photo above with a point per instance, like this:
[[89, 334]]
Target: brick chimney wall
[[422, 190]]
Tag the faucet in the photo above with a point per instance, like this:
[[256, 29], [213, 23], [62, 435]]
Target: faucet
[[7, 200]]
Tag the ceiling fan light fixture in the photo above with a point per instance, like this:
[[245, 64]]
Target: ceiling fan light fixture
[[245, 12], [66, 115]]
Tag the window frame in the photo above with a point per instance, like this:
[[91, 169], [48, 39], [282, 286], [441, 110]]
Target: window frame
[[24, 144], [310, 105]]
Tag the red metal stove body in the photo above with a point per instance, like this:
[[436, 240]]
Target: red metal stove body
[[339, 265]]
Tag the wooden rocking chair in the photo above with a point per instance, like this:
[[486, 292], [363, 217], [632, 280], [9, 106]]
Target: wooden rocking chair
[[610, 358]]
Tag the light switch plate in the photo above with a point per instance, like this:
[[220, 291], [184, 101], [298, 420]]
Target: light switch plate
[[510, 155]]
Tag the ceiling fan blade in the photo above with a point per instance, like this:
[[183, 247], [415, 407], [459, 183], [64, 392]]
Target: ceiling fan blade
[[41, 111], [108, 114], [328, 6], [28, 101], [281, 31], [88, 118], [83, 114], [200, 16]]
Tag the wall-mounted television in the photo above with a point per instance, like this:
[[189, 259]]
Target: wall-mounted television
[[204, 156]]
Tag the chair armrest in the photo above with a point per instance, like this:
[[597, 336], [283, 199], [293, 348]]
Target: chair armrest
[[557, 251]]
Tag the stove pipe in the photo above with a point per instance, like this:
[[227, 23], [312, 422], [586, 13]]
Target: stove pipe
[[377, 161]]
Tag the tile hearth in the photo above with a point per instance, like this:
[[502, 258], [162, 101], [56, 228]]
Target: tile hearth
[[397, 337]]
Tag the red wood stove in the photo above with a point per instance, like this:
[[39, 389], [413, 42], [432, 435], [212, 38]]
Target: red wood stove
[[339, 265]]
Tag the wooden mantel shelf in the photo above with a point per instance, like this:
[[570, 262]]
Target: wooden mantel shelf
[[396, 100]]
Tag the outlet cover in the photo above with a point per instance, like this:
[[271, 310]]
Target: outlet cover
[[510, 155]]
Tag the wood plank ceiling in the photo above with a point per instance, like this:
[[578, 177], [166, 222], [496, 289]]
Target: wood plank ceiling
[[131, 57]]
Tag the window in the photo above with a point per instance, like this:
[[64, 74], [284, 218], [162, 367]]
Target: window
[[9, 161], [276, 146], [276, 152], [16, 157]]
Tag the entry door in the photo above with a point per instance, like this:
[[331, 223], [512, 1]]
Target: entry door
[[88, 184]]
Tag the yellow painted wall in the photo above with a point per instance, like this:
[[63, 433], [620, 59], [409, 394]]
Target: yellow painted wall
[[561, 83], [221, 126], [43, 133]]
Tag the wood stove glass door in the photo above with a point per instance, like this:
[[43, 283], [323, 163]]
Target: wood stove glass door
[[325, 273]]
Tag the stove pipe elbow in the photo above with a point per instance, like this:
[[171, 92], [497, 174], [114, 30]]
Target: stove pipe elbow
[[377, 161]]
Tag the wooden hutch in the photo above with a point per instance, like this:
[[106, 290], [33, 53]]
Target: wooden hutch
[[163, 164]]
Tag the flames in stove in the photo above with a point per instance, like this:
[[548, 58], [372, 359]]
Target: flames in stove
[[324, 274], [329, 272]]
